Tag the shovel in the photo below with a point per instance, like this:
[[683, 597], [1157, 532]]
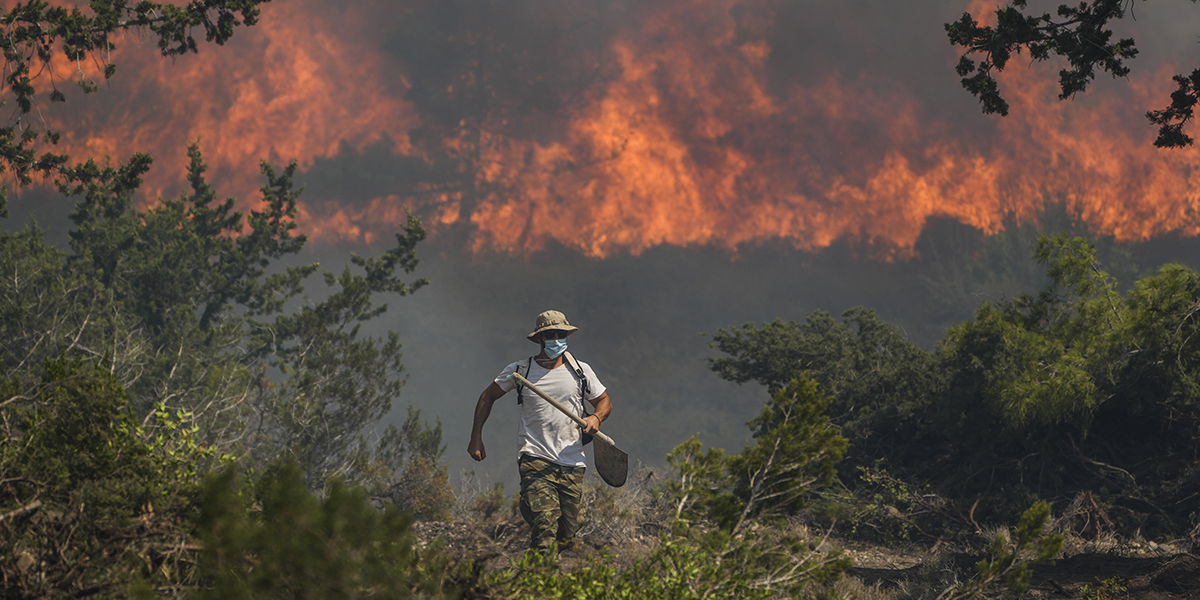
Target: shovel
[[612, 463]]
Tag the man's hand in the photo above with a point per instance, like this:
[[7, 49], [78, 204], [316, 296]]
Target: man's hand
[[593, 424], [475, 449]]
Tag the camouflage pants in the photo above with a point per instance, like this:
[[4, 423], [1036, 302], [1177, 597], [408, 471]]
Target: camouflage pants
[[551, 495]]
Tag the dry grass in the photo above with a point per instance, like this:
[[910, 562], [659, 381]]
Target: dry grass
[[618, 517], [625, 523], [486, 520], [853, 587]]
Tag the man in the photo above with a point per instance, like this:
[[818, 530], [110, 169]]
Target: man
[[551, 458]]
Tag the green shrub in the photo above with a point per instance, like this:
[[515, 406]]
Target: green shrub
[[298, 546], [795, 451], [90, 500], [693, 566]]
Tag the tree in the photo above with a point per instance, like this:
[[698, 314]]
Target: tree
[[1080, 34], [181, 303], [795, 452], [1012, 561], [164, 340], [34, 35], [880, 384], [713, 550], [1076, 388], [410, 473], [1056, 378]]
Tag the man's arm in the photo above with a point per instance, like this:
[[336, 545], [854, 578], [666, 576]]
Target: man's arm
[[603, 409], [483, 409]]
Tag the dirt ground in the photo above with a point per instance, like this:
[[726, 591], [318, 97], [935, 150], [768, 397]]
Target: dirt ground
[[1133, 571]]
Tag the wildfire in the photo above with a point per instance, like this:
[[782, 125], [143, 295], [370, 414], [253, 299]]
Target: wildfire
[[690, 139]]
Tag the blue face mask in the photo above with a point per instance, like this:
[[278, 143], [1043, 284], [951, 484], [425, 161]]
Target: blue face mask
[[554, 348]]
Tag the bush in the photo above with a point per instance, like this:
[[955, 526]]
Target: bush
[[693, 566], [297, 545], [795, 451], [86, 499], [424, 490]]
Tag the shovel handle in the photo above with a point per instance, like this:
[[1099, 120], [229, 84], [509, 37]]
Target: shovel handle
[[601, 436]]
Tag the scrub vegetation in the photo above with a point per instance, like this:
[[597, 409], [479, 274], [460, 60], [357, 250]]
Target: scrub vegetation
[[179, 419]]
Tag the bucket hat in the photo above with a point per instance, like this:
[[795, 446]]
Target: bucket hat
[[551, 319]]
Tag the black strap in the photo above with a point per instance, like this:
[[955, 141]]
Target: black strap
[[526, 374], [583, 389]]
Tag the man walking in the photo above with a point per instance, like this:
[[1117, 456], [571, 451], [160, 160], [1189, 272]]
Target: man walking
[[551, 457]]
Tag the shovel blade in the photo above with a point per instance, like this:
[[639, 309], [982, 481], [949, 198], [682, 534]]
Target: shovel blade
[[612, 463]]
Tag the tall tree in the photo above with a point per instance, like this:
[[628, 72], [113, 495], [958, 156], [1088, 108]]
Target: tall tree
[[187, 305]]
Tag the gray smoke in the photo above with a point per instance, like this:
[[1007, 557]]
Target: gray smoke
[[643, 317]]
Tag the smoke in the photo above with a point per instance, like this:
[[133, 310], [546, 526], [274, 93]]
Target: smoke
[[654, 169]]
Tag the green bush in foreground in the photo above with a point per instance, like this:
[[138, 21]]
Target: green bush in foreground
[[296, 545], [1011, 563], [685, 567]]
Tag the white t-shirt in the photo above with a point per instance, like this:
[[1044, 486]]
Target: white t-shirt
[[544, 431]]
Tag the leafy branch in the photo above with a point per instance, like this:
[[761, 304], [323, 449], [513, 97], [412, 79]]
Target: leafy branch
[[1083, 36], [33, 35]]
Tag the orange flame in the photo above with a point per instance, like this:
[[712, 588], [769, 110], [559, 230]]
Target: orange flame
[[298, 85], [691, 143]]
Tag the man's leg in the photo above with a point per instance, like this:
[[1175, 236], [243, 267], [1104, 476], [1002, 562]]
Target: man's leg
[[570, 501], [539, 501]]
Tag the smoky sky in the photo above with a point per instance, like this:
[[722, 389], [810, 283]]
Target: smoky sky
[[642, 316]]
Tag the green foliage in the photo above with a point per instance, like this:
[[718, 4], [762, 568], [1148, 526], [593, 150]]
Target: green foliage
[[1066, 370], [78, 438], [880, 383], [34, 36], [166, 339], [87, 499], [1022, 376], [794, 453], [1113, 588], [689, 567], [1025, 400], [698, 475], [415, 438], [407, 471], [1012, 561], [187, 305], [1042, 360], [1162, 323], [746, 496], [297, 545], [1082, 35], [163, 341], [888, 510]]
